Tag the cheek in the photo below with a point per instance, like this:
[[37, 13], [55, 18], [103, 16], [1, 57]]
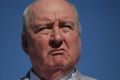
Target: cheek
[[39, 46], [73, 45]]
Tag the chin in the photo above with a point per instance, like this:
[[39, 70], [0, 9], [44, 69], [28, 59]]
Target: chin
[[61, 64]]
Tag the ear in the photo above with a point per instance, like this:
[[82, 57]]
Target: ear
[[24, 42]]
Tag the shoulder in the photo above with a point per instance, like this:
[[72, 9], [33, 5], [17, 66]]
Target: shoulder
[[84, 77], [26, 77]]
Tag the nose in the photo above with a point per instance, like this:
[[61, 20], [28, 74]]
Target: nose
[[56, 38]]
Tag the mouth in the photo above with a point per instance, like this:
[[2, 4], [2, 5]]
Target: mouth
[[56, 52]]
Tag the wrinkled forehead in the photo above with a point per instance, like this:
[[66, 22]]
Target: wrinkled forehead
[[51, 10]]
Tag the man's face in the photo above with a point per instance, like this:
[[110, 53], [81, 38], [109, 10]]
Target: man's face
[[53, 36]]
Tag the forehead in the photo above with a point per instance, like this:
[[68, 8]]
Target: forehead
[[52, 10]]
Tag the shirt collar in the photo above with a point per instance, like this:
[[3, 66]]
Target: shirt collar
[[33, 76]]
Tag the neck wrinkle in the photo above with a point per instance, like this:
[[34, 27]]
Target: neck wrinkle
[[55, 75]]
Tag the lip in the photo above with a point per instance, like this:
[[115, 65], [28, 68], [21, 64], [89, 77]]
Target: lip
[[56, 52]]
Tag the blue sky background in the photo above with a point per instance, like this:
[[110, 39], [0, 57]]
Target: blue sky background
[[100, 53]]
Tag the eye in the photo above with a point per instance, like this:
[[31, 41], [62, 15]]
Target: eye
[[66, 26], [42, 28]]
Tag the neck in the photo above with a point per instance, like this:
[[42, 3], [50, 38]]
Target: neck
[[53, 74]]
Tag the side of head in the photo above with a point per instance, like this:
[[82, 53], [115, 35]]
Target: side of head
[[51, 34]]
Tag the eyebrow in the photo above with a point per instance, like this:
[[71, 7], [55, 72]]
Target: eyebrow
[[41, 24], [68, 22], [46, 21]]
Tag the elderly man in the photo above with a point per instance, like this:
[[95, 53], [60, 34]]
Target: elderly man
[[51, 40]]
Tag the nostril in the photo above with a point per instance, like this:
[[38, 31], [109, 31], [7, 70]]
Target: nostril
[[55, 43]]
